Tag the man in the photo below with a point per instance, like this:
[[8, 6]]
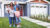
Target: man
[[16, 7]]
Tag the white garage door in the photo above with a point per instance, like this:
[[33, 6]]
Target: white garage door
[[39, 9]]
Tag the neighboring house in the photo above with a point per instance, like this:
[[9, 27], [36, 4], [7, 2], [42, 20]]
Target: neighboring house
[[26, 10], [39, 8]]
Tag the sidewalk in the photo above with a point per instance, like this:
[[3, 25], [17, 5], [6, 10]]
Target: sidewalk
[[38, 22]]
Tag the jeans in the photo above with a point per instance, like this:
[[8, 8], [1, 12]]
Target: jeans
[[18, 20], [11, 19]]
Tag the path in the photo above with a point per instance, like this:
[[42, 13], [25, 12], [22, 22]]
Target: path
[[38, 22]]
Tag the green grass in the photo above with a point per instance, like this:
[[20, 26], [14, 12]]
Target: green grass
[[4, 23]]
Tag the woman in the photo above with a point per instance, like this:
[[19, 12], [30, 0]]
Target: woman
[[11, 15]]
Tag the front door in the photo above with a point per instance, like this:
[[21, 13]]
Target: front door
[[21, 11]]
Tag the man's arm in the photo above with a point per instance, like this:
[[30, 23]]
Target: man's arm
[[19, 6]]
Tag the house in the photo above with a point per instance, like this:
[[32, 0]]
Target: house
[[27, 9], [3, 4]]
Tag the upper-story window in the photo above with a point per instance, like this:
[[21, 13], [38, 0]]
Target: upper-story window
[[0, 4], [17, 0], [11, 0]]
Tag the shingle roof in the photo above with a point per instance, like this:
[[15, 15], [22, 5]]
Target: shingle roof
[[39, 2]]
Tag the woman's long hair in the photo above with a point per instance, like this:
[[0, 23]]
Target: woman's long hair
[[11, 4]]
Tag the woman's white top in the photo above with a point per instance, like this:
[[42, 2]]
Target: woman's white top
[[11, 12]]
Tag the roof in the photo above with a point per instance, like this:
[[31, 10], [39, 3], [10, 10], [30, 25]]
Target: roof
[[39, 2]]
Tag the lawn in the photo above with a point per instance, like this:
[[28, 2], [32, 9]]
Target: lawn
[[4, 23]]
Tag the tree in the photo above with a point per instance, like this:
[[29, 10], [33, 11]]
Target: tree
[[48, 0]]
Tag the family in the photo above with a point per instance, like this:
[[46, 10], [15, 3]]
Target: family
[[13, 12]]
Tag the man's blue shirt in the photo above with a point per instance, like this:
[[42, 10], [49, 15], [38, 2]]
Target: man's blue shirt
[[16, 6]]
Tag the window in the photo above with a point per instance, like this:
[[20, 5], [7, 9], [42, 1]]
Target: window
[[12, 0], [0, 5]]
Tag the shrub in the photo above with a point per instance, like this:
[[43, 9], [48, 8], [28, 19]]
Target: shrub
[[40, 17]]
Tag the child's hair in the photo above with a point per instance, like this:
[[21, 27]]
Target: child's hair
[[17, 9]]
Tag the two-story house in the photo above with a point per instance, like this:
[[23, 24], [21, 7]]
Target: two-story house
[[30, 7]]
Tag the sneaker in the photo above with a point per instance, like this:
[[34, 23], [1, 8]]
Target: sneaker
[[18, 26], [9, 25], [13, 25]]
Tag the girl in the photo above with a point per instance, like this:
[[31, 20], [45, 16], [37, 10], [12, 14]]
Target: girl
[[17, 14]]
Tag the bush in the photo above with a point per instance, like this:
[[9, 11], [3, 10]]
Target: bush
[[40, 17]]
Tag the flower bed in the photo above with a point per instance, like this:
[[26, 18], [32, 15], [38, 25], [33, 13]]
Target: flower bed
[[40, 17]]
